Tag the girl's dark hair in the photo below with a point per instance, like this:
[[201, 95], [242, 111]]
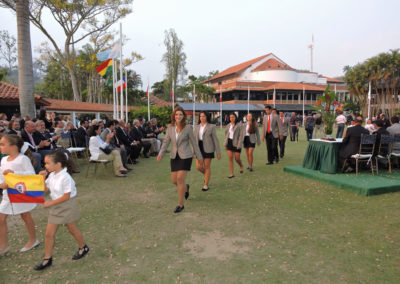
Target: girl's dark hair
[[93, 129], [208, 116], [10, 124], [253, 125], [42, 113], [236, 118], [183, 122], [62, 156], [15, 140]]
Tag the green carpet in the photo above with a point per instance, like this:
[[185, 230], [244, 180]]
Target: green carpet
[[364, 184]]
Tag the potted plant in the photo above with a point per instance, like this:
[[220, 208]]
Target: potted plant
[[326, 105]]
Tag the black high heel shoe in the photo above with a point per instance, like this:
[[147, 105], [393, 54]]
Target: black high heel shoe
[[187, 192], [81, 252], [42, 266], [179, 209]]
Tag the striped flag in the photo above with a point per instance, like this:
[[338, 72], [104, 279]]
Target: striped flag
[[105, 69], [25, 188]]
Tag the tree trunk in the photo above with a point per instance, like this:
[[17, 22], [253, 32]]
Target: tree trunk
[[25, 69]]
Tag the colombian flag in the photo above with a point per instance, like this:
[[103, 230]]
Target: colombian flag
[[25, 188], [105, 68]]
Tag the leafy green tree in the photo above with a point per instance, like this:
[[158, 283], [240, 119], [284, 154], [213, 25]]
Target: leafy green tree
[[78, 19], [174, 60], [162, 114], [204, 93], [383, 71], [8, 50]]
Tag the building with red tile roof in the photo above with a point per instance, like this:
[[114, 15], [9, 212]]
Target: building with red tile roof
[[268, 79]]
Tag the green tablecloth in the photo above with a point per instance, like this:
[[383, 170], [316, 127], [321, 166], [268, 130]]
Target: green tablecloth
[[322, 156]]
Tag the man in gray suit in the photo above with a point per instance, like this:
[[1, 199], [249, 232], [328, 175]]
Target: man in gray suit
[[285, 124], [272, 132]]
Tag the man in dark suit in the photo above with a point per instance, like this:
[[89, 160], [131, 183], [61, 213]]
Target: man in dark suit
[[136, 135], [81, 136], [351, 142], [41, 146], [132, 148], [272, 133], [379, 125], [285, 123]]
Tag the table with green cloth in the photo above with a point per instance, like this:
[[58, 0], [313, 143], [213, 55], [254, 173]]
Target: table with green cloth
[[322, 155]]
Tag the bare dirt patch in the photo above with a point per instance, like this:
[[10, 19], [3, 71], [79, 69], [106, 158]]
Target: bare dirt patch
[[214, 244]]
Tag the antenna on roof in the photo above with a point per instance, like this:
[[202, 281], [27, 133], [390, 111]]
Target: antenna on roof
[[311, 47]]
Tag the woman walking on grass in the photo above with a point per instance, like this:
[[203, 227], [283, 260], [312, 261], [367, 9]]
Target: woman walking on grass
[[180, 136], [250, 136], [233, 142], [206, 137]]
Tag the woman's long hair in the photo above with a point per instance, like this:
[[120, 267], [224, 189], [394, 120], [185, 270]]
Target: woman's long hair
[[183, 122], [253, 125], [92, 130]]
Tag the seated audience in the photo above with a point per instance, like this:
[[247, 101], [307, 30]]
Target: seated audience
[[351, 142], [96, 144]]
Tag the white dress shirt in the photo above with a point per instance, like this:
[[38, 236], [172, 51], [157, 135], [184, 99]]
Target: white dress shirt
[[247, 129], [231, 131], [201, 131], [60, 183]]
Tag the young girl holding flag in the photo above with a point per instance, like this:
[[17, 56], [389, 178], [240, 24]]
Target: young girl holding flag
[[63, 208], [16, 163]]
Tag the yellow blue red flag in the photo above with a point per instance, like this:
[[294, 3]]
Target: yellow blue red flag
[[25, 188]]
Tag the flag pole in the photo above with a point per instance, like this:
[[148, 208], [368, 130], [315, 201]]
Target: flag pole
[[116, 92], [126, 96], [248, 99], [120, 72], [274, 96], [148, 100], [114, 101], [303, 102], [173, 95], [194, 103], [220, 103], [369, 100]]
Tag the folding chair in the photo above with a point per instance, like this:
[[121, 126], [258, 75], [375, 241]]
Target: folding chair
[[365, 153], [96, 164], [384, 151], [394, 151]]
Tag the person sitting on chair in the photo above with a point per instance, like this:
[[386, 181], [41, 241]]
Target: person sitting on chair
[[351, 142]]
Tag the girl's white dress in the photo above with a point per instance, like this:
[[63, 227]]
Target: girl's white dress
[[21, 165]]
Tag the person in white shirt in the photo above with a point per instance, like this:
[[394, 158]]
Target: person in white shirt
[[250, 137], [369, 126], [20, 164], [341, 121], [63, 208]]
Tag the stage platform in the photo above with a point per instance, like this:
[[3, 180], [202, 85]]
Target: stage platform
[[364, 184]]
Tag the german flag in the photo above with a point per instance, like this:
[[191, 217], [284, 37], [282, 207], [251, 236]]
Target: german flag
[[105, 68], [25, 188]]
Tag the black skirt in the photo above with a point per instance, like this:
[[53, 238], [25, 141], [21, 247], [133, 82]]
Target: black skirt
[[230, 147], [179, 164], [247, 143], [204, 154]]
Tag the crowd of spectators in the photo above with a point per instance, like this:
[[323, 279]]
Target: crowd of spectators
[[108, 139]]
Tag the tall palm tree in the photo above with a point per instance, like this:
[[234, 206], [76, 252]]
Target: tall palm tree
[[25, 69]]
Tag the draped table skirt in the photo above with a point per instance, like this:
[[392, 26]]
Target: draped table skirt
[[322, 155]]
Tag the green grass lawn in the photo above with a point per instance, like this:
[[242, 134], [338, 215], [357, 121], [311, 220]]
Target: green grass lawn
[[265, 226]]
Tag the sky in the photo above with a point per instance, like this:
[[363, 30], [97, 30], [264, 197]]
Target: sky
[[218, 34]]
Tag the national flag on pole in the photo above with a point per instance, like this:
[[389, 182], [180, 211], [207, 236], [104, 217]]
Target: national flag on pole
[[220, 98], [105, 69], [115, 51], [25, 188], [147, 92], [119, 83], [103, 55], [172, 93]]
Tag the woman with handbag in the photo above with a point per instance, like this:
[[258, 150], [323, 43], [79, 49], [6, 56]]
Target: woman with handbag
[[180, 136], [101, 150]]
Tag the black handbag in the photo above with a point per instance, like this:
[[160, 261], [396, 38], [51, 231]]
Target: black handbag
[[107, 150]]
